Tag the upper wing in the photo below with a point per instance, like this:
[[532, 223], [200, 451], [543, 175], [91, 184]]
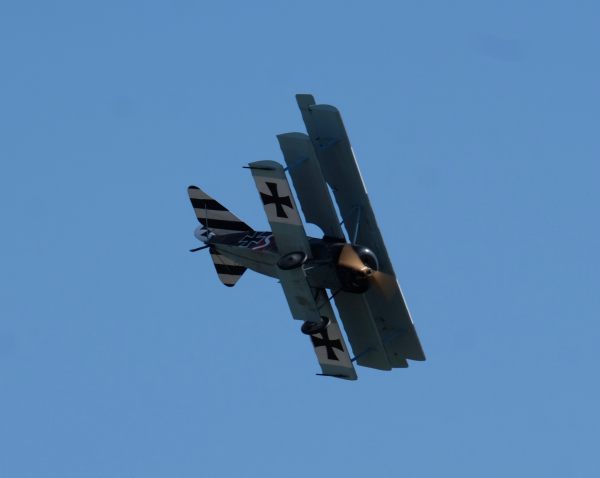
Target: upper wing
[[310, 184], [395, 325], [336, 158]]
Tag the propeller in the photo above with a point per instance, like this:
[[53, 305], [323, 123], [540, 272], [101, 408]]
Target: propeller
[[350, 259], [385, 283]]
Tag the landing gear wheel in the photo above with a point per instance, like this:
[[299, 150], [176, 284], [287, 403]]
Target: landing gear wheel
[[293, 260], [311, 328]]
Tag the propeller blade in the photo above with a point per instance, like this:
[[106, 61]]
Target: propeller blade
[[349, 258], [386, 283]]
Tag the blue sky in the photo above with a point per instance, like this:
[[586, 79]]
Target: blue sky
[[476, 128]]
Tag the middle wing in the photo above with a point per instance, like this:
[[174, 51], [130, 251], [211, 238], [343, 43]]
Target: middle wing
[[310, 184]]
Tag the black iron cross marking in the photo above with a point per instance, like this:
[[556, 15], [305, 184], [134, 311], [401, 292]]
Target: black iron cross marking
[[275, 199], [329, 344]]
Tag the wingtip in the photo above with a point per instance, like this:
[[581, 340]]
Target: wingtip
[[292, 135], [325, 109], [305, 100], [344, 377]]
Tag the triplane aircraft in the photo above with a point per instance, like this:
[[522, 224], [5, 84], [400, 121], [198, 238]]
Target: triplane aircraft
[[355, 268]]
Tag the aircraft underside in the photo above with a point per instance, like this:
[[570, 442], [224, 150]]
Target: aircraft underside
[[353, 265]]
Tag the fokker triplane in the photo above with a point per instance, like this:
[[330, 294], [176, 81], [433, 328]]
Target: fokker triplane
[[354, 266]]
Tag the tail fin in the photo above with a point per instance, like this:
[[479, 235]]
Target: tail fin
[[212, 215], [215, 217]]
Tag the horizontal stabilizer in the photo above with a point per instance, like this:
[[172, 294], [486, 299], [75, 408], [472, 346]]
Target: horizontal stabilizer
[[219, 220], [229, 271], [213, 215]]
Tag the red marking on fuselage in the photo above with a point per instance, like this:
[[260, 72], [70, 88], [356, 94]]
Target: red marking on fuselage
[[263, 243]]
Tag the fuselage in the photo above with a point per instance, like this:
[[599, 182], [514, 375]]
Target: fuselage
[[257, 250]]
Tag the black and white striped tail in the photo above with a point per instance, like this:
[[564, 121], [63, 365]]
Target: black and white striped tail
[[214, 216], [229, 271], [218, 221]]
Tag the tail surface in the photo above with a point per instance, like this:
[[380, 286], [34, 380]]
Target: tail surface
[[213, 215], [228, 270], [219, 221]]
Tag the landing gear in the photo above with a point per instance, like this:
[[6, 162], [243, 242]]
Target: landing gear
[[293, 260], [311, 328]]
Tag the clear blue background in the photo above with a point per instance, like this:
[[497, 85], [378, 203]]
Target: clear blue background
[[476, 125]]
